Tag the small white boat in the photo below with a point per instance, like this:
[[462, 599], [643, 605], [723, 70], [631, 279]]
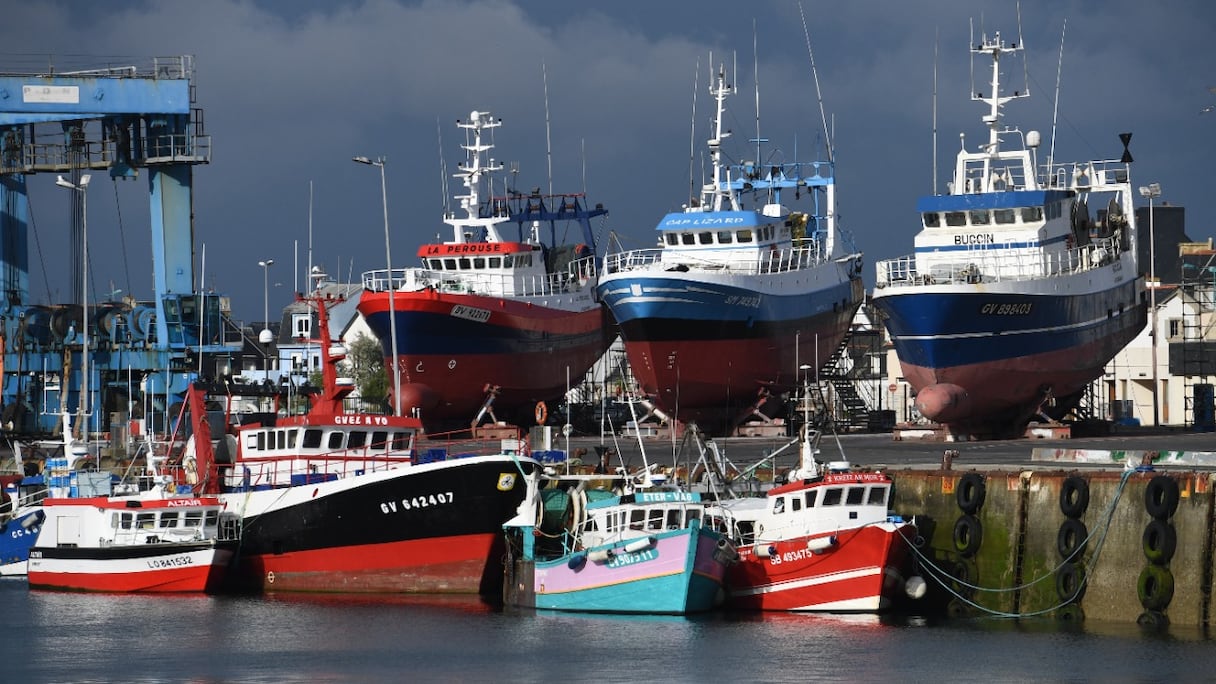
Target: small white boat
[[133, 544]]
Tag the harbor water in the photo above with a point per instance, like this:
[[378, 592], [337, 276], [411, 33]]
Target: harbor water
[[329, 638]]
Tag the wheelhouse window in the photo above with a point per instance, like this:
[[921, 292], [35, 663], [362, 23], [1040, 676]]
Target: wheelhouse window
[[449, 264], [831, 496], [856, 496], [169, 519], [495, 262], [1004, 216], [956, 218], [672, 239], [479, 262], [674, 521], [779, 505], [335, 441], [687, 238], [744, 235], [356, 440], [705, 238], [810, 498], [380, 439], [193, 519], [145, 521], [1032, 214], [878, 496], [465, 263], [725, 237], [401, 441], [312, 439], [979, 217], [932, 219]]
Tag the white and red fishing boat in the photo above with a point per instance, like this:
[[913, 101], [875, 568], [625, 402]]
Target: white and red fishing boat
[[503, 315], [338, 501], [824, 541], [133, 544]]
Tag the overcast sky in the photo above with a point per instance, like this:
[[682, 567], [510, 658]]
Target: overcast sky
[[291, 90]]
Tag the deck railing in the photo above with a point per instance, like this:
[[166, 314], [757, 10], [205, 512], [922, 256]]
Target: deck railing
[[574, 278], [763, 261], [992, 266]]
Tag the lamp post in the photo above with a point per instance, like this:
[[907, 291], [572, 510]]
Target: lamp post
[[1151, 192], [82, 187], [266, 337], [392, 311]]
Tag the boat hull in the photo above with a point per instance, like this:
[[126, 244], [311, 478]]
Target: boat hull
[[703, 348], [681, 573], [863, 571], [433, 528], [17, 537], [983, 360], [450, 347], [187, 567]]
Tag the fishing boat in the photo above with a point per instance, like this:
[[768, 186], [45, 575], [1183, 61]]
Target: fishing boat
[[824, 540], [741, 289], [133, 544], [1016, 297], [21, 518], [501, 316], [582, 549], [333, 500]]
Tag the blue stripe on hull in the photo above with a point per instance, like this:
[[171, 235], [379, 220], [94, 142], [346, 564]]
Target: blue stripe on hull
[[683, 309], [946, 329], [668, 595]]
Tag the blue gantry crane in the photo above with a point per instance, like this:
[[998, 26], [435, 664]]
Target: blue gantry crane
[[127, 120]]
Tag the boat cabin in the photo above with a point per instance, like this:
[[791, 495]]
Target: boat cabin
[[633, 516], [824, 505], [104, 521], [284, 456]]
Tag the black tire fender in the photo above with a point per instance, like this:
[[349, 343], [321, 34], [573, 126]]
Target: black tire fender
[[1160, 540], [1155, 587], [968, 534], [1070, 582], [1161, 497], [1072, 539], [1074, 496], [970, 492]]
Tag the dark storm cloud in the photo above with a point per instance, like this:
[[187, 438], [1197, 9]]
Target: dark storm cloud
[[291, 91]]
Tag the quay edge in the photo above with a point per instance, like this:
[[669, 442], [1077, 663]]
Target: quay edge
[[1116, 544]]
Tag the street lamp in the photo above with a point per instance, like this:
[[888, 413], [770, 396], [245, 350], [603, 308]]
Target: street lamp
[[82, 186], [1151, 192], [266, 337], [392, 311]]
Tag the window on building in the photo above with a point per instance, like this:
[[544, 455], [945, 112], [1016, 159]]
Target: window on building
[[301, 325]]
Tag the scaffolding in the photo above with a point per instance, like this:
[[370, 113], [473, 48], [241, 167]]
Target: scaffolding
[[1193, 356]]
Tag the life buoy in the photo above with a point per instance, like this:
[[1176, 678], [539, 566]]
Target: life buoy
[[1070, 582], [1074, 496], [542, 413], [968, 533], [1072, 539], [1160, 540], [1161, 497], [970, 492], [1155, 587]]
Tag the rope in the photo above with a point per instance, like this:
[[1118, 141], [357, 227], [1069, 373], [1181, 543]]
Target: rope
[[945, 579]]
